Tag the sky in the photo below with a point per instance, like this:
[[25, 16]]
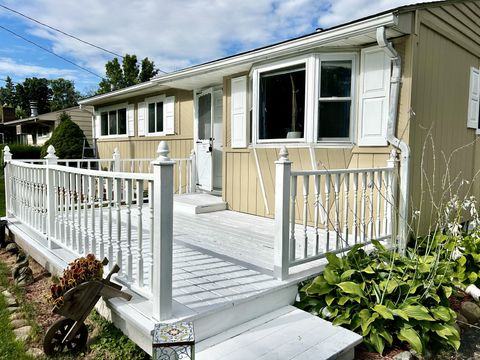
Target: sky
[[174, 34]]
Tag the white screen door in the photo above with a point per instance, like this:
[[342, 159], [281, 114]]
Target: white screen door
[[204, 141]]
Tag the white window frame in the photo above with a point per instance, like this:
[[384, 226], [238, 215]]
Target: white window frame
[[312, 64], [155, 100], [308, 61], [107, 109], [319, 58]]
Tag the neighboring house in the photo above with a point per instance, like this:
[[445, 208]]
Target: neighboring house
[[37, 129], [337, 98]]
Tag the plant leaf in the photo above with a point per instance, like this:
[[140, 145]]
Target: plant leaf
[[400, 313], [329, 299], [351, 288], [441, 313], [331, 276], [383, 311], [368, 270], [473, 276], [347, 274], [411, 336], [334, 261], [377, 342], [418, 312]]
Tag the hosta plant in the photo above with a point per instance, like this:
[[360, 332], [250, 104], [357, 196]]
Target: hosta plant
[[79, 271], [386, 298]]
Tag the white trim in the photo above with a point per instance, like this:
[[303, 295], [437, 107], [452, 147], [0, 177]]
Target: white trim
[[107, 109], [474, 99], [151, 100]]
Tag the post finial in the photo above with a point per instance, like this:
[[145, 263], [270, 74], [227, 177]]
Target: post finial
[[283, 154], [163, 151], [393, 154], [116, 152], [51, 153], [7, 155], [192, 153]]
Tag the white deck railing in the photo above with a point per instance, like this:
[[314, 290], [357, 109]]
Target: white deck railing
[[125, 216], [320, 211]]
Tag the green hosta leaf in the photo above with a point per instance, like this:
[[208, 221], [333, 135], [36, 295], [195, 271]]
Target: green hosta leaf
[[347, 274], [377, 245], [400, 313], [343, 300], [368, 270], [462, 260], [334, 261], [329, 299], [433, 296], [386, 335], [444, 330], [366, 324], [377, 342], [473, 277], [447, 290], [441, 313], [418, 312], [424, 268], [351, 288], [411, 336], [342, 319], [331, 276], [383, 311], [389, 285], [318, 287]]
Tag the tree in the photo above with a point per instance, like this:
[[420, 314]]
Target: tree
[[7, 93], [128, 74], [64, 94], [67, 139], [33, 89]]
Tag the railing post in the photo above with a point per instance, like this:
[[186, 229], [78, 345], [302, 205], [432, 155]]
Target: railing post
[[116, 160], [283, 167], [7, 157], [50, 159], [393, 214], [163, 233], [193, 171]]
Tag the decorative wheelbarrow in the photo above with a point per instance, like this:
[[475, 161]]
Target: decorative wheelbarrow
[[69, 334]]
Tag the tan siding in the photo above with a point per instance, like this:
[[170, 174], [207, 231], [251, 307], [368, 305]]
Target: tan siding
[[447, 46]]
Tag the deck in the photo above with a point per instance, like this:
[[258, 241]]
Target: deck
[[222, 270]]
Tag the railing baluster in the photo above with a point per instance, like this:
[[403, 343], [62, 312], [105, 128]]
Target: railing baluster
[[85, 192], [379, 203], [101, 236], [317, 212], [371, 219], [152, 228], [110, 225], [355, 208], [293, 197], [68, 239], [305, 214], [128, 203], [91, 200], [336, 189], [140, 233], [73, 205], [118, 219], [346, 208], [326, 221], [385, 203], [61, 214], [363, 229]]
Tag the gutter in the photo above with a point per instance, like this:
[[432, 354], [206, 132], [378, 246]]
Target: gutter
[[404, 194]]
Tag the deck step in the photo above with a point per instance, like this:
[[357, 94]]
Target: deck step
[[286, 333], [198, 203]]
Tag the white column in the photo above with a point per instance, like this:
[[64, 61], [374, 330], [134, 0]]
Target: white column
[[283, 167], [51, 159], [163, 234], [116, 160], [7, 157]]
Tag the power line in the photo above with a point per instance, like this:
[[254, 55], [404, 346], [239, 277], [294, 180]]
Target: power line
[[67, 34], [60, 31], [49, 51]]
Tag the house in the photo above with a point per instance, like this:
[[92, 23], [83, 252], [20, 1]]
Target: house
[[324, 133], [37, 129], [337, 98]]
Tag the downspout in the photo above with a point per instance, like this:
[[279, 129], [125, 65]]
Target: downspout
[[396, 142]]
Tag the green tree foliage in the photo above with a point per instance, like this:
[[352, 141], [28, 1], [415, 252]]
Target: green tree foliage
[[127, 74], [67, 139], [33, 89], [64, 94], [7, 93]]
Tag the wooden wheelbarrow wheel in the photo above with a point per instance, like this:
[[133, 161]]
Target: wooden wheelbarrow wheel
[[53, 342]]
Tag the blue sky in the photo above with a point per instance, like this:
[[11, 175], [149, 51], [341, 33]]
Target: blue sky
[[175, 34]]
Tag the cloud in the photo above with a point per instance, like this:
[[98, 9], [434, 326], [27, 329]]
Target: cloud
[[9, 66]]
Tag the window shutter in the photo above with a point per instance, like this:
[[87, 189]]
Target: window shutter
[[130, 120], [169, 115], [473, 98], [98, 125], [238, 116], [374, 97], [141, 118]]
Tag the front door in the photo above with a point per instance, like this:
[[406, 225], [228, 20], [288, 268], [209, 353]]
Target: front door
[[209, 135]]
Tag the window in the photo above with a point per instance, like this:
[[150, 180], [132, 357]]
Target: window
[[281, 111], [113, 122], [155, 117], [335, 100], [309, 99]]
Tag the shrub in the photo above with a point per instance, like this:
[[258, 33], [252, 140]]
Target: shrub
[[21, 151], [386, 297], [67, 138]]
